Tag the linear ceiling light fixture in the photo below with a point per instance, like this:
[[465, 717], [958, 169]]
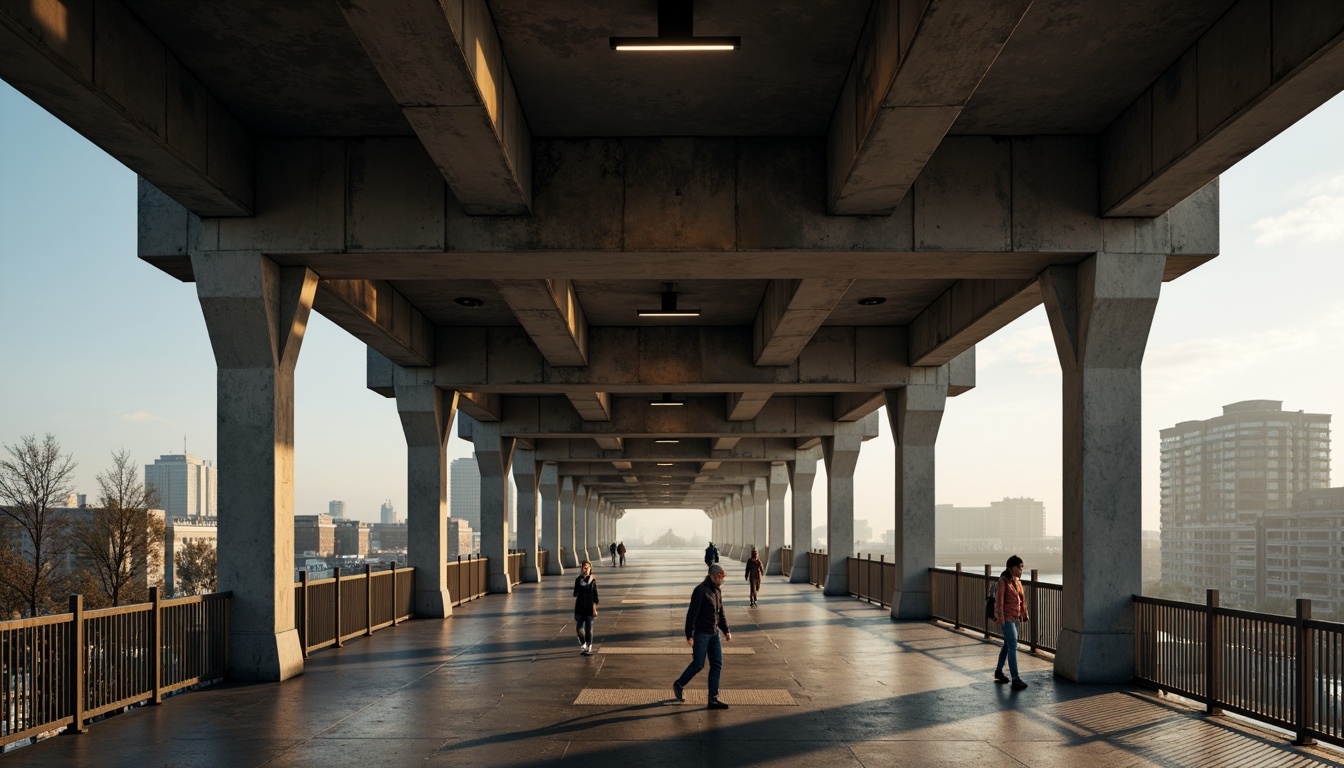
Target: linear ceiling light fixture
[[667, 400], [667, 440], [675, 21], [669, 307]]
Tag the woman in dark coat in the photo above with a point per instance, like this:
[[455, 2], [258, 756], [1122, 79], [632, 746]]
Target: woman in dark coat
[[585, 606]]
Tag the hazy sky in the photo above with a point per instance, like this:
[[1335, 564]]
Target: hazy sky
[[107, 352]]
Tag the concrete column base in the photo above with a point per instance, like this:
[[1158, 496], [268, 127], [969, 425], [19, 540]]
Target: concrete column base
[[911, 605], [554, 567], [433, 604], [265, 657], [531, 575], [799, 574], [773, 567], [571, 559], [1095, 657], [498, 584], [837, 582]]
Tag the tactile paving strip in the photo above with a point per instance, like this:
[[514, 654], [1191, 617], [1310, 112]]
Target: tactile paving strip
[[684, 650], [608, 697]]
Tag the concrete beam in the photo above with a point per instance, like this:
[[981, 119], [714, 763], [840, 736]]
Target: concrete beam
[[984, 208], [903, 92], [609, 443], [967, 312], [593, 406], [687, 360], [550, 312], [697, 453], [1260, 68], [744, 406], [481, 406], [726, 443], [790, 315], [806, 416], [377, 314], [103, 73], [852, 406], [444, 65]]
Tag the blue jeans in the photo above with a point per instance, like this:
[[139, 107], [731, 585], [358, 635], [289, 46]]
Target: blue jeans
[[584, 626], [1009, 649], [706, 644]]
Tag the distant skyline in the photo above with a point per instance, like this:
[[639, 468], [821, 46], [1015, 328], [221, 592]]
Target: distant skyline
[[107, 352]]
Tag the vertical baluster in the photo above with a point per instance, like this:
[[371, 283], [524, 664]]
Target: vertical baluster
[[1212, 654], [988, 585], [1305, 673], [303, 612], [336, 610], [368, 599], [956, 592], [77, 665]]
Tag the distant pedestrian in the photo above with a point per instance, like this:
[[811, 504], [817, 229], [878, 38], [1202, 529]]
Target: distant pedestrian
[[1010, 609], [613, 554], [585, 606], [620, 550], [711, 554], [704, 619], [755, 568]]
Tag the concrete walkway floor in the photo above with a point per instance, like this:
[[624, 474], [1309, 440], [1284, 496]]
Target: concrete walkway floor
[[496, 685]]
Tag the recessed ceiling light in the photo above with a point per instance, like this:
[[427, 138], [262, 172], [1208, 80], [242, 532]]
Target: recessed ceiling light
[[668, 440], [664, 463], [666, 400], [872, 301], [468, 301]]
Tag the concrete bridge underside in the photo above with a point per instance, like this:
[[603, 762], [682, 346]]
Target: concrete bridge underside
[[489, 196]]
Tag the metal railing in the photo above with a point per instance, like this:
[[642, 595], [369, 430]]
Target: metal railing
[[513, 565], [467, 578], [872, 580], [327, 612], [818, 565], [62, 671], [786, 560], [958, 597], [1284, 670]]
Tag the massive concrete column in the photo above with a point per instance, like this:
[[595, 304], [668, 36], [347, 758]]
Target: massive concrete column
[[595, 546], [549, 489], [760, 519], [1100, 314], [569, 529], [842, 453], [582, 538], [256, 312], [525, 478], [802, 474], [915, 412], [779, 483], [742, 506], [426, 414], [494, 455]]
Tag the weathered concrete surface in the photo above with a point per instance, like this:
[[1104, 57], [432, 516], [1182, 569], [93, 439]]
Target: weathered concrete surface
[[548, 487], [256, 313], [525, 478], [802, 474], [1100, 313], [569, 528], [426, 414], [778, 485], [842, 454], [494, 458], [915, 413]]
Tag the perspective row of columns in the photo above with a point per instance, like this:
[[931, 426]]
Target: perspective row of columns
[[1100, 311]]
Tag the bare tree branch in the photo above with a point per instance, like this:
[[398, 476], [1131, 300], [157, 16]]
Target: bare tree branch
[[35, 479]]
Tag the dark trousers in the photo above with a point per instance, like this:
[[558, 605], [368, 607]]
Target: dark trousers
[[706, 644]]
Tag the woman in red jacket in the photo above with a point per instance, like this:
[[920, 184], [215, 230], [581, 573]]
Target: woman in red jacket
[[1010, 609]]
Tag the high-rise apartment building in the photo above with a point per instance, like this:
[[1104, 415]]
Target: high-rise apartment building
[[1221, 477], [336, 508], [387, 515], [188, 486]]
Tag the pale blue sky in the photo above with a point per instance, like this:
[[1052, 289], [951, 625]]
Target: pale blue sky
[[106, 352]]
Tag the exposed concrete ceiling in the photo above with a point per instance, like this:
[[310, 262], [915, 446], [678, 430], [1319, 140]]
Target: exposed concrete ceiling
[[938, 155]]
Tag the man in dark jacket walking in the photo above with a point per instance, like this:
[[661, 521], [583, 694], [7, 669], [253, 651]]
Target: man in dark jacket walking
[[704, 619]]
